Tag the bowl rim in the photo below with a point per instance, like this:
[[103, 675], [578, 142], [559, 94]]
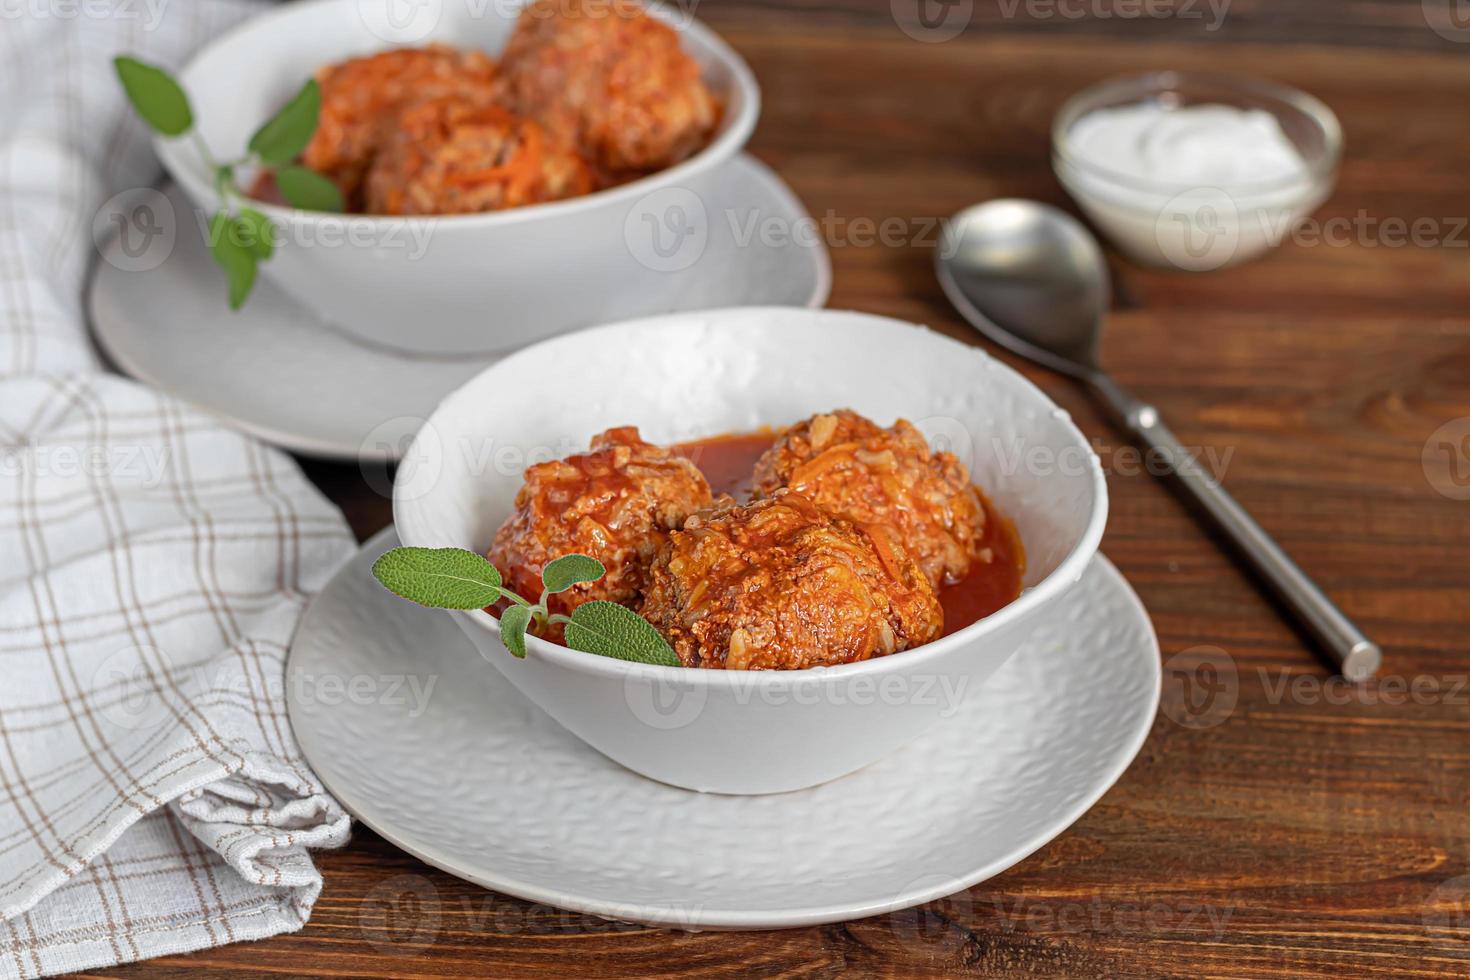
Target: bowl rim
[[1067, 572], [726, 144], [1150, 84]]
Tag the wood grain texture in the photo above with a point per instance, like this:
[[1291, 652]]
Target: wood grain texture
[[1312, 831]]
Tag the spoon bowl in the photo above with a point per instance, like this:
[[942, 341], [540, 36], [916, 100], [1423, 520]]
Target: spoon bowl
[[1042, 276]]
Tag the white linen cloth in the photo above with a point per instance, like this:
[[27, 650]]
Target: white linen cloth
[[155, 563]]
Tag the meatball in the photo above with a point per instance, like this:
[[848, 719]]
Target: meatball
[[361, 98], [616, 502], [611, 81], [451, 156], [779, 584], [851, 467]]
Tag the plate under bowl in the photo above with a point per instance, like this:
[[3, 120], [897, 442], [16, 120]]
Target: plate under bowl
[[422, 742], [276, 371]]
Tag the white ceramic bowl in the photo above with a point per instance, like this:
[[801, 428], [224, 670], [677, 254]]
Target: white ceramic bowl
[[683, 376], [455, 284], [1179, 225]]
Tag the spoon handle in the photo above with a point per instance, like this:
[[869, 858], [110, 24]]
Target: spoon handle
[[1356, 656]]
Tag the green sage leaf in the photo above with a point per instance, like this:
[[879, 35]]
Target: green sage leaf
[[155, 95], [257, 232], [513, 623], [226, 244], [611, 630], [286, 133], [440, 578], [308, 190], [569, 570]]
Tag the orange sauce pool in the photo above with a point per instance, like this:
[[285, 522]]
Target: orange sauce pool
[[727, 463]]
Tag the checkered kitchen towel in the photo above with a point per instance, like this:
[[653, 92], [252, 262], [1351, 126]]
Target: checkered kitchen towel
[[152, 566]]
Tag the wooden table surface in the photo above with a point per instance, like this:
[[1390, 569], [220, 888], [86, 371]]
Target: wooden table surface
[[1313, 829]]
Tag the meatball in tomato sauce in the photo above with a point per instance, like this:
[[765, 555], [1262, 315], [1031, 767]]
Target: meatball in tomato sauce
[[617, 502], [449, 156], [609, 80], [778, 584], [361, 99], [851, 467]]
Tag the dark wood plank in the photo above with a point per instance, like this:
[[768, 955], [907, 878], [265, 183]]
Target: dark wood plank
[[1314, 831], [1422, 25]]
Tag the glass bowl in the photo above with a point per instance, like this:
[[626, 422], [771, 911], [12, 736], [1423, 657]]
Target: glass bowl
[[1194, 226]]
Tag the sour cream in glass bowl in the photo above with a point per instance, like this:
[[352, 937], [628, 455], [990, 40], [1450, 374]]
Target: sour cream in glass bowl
[[1195, 171]]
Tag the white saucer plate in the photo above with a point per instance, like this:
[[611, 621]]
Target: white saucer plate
[[277, 372], [435, 751]]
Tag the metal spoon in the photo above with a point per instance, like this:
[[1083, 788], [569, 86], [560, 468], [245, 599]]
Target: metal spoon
[[1032, 279]]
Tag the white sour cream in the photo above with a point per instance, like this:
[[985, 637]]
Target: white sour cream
[[1194, 187], [1189, 145]]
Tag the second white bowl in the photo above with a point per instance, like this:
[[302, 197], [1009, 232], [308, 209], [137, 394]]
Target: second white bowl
[[457, 284]]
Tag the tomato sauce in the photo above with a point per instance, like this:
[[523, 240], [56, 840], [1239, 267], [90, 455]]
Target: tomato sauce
[[264, 188], [728, 461]]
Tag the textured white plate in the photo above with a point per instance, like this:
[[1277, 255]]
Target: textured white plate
[[276, 372], [434, 750]]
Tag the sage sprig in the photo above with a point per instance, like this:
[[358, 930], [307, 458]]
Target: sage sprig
[[453, 578], [240, 237]]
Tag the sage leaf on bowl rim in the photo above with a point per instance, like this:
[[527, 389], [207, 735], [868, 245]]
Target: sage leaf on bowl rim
[[513, 623], [286, 133], [307, 190], [611, 630], [440, 578]]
